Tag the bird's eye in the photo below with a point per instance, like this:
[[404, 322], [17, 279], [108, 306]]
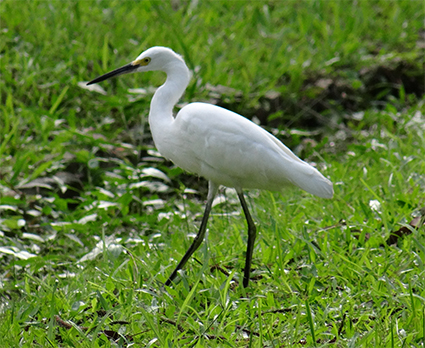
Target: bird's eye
[[142, 62]]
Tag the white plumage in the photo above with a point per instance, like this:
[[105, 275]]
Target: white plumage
[[218, 144]]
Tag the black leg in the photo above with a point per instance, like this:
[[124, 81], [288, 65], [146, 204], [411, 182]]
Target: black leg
[[252, 234], [212, 190]]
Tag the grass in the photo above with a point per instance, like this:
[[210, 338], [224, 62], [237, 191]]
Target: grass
[[93, 220]]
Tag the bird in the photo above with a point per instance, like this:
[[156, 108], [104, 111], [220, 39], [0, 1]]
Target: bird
[[222, 146]]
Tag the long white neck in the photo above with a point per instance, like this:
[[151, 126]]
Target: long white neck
[[166, 96]]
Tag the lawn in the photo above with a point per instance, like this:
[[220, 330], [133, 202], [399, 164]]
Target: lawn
[[93, 220]]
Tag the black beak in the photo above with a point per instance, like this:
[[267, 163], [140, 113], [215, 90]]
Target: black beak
[[123, 70]]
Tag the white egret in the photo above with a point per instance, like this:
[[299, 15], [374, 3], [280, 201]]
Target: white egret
[[220, 145]]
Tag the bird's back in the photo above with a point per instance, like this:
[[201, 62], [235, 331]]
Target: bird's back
[[230, 150]]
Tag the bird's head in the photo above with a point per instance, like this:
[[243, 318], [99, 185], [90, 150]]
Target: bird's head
[[154, 58]]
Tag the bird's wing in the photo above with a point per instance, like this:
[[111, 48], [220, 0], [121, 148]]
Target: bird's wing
[[229, 149]]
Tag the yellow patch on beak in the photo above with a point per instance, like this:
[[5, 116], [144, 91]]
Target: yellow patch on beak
[[142, 62]]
